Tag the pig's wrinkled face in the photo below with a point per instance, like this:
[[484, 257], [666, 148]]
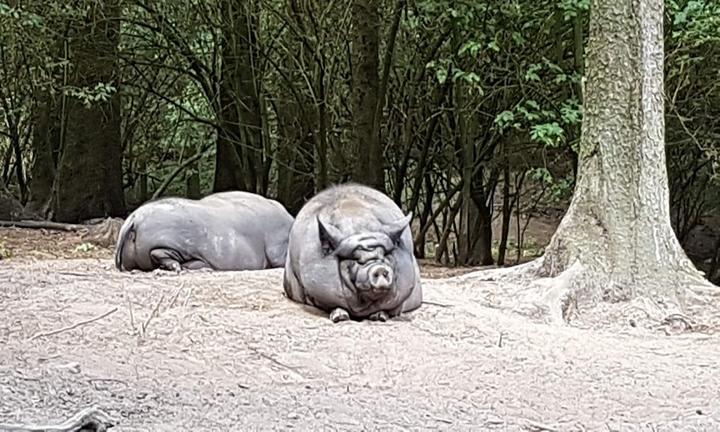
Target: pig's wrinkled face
[[370, 271], [366, 261]]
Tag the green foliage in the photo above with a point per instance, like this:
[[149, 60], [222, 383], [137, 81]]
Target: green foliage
[[549, 134], [507, 69], [574, 8], [20, 18], [100, 93], [692, 111]]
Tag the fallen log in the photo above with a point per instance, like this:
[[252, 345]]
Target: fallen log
[[58, 226]]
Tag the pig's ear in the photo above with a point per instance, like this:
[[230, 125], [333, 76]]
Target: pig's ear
[[395, 229], [330, 236]]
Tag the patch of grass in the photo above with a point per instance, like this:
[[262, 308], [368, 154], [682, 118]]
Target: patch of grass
[[84, 247], [5, 252]]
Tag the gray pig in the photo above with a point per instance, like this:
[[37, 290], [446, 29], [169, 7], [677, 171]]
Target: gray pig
[[224, 231], [351, 254]]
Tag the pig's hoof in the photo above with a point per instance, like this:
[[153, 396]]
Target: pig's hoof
[[339, 314], [381, 316]]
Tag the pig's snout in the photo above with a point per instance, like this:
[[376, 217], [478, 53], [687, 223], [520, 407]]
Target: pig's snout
[[381, 277]]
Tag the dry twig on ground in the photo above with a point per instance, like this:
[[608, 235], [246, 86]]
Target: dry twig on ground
[[74, 326], [153, 313]]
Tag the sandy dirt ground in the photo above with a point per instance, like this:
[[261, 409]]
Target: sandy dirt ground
[[227, 351]]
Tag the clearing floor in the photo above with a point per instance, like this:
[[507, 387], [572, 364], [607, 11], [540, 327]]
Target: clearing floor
[[205, 351]]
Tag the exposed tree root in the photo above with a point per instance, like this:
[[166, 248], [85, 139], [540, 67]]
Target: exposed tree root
[[88, 420], [104, 233], [528, 270], [568, 295]]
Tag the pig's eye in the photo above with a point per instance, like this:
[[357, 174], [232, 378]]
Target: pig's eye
[[353, 268], [362, 256]]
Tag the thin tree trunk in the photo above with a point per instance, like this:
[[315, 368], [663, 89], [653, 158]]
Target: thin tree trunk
[[506, 213], [239, 159], [43, 167], [424, 216], [448, 228], [19, 166], [579, 60], [481, 240], [143, 193], [465, 148], [295, 157], [322, 144], [7, 158], [424, 160], [192, 182], [578, 51], [365, 92], [382, 90]]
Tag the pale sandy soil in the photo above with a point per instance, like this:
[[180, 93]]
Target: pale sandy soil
[[227, 351]]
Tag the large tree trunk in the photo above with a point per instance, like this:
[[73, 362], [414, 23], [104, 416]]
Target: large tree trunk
[[621, 198], [617, 229], [239, 156], [615, 243], [89, 179], [365, 93]]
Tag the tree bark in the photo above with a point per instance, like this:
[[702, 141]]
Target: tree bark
[[616, 234], [506, 213], [46, 144], [481, 247], [143, 192], [296, 158], [464, 147], [89, 179], [11, 209], [365, 93], [239, 161], [420, 240], [192, 181]]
